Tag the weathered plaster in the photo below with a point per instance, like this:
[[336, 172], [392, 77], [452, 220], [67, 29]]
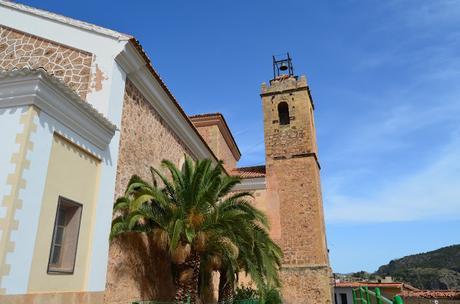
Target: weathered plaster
[[98, 78]]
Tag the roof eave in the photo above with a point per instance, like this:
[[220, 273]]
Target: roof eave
[[138, 67], [219, 120]]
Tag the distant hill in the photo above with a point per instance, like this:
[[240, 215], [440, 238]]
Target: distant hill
[[438, 269]]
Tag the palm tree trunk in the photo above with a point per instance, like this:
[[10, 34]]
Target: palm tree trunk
[[225, 288], [187, 279]]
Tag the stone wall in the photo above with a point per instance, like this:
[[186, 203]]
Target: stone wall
[[265, 203], [218, 145], [225, 154], [306, 285], [72, 66], [298, 137], [302, 225], [137, 270], [293, 185], [306, 275], [145, 139], [209, 134]]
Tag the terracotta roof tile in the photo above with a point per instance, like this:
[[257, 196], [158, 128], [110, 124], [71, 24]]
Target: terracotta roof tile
[[400, 285], [432, 294], [249, 172], [206, 115]]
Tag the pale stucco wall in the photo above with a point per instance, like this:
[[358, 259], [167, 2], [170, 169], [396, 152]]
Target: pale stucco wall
[[11, 171], [74, 174], [32, 184], [101, 81]]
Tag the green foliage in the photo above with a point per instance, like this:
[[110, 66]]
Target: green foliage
[[446, 257], [271, 296], [194, 213], [245, 293], [438, 269], [265, 296]]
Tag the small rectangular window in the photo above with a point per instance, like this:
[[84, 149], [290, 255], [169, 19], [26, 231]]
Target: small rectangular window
[[65, 237]]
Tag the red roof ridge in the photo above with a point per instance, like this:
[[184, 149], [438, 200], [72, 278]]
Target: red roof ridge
[[383, 284], [249, 172], [206, 114], [431, 294]]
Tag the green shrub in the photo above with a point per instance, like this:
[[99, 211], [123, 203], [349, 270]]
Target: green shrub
[[245, 293]]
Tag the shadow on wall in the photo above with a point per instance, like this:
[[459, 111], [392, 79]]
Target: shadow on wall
[[137, 270]]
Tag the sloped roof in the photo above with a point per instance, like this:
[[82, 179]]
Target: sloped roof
[[432, 294], [249, 172], [402, 286]]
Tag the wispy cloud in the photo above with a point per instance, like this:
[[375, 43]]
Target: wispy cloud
[[416, 128], [431, 192], [410, 129]]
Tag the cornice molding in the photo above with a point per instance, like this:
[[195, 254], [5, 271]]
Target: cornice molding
[[64, 20], [138, 71], [26, 87], [250, 184], [219, 120]]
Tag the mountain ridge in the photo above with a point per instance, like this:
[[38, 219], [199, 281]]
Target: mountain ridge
[[436, 269]]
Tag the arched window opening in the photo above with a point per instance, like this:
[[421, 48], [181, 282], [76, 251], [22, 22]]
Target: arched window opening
[[283, 113]]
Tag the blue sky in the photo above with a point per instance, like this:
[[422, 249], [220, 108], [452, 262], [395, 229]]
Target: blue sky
[[385, 79]]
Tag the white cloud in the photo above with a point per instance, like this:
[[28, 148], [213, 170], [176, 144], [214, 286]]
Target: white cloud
[[427, 103], [431, 193]]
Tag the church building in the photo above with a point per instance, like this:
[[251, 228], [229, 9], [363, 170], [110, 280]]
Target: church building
[[82, 109]]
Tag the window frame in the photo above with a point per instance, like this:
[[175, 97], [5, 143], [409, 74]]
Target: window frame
[[51, 268], [342, 297]]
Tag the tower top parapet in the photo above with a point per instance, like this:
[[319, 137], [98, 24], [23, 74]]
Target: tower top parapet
[[284, 83]]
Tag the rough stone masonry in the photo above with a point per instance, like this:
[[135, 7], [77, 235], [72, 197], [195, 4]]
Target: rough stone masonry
[[292, 170]]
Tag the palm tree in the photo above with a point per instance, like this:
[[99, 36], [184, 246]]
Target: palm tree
[[237, 221], [259, 257], [186, 216]]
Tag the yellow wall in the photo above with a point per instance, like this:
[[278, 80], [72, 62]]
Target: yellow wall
[[74, 174]]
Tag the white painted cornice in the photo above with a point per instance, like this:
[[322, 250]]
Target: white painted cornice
[[251, 184], [25, 87], [139, 72], [64, 20]]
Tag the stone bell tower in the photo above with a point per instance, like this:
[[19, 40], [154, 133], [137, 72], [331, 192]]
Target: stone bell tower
[[293, 181]]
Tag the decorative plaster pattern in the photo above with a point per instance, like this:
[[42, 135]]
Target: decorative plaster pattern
[[19, 50], [17, 183]]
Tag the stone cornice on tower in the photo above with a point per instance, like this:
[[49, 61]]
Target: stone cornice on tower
[[209, 119], [286, 84]]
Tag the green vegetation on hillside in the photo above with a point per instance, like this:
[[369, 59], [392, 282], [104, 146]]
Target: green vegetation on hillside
[[438, 269]]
